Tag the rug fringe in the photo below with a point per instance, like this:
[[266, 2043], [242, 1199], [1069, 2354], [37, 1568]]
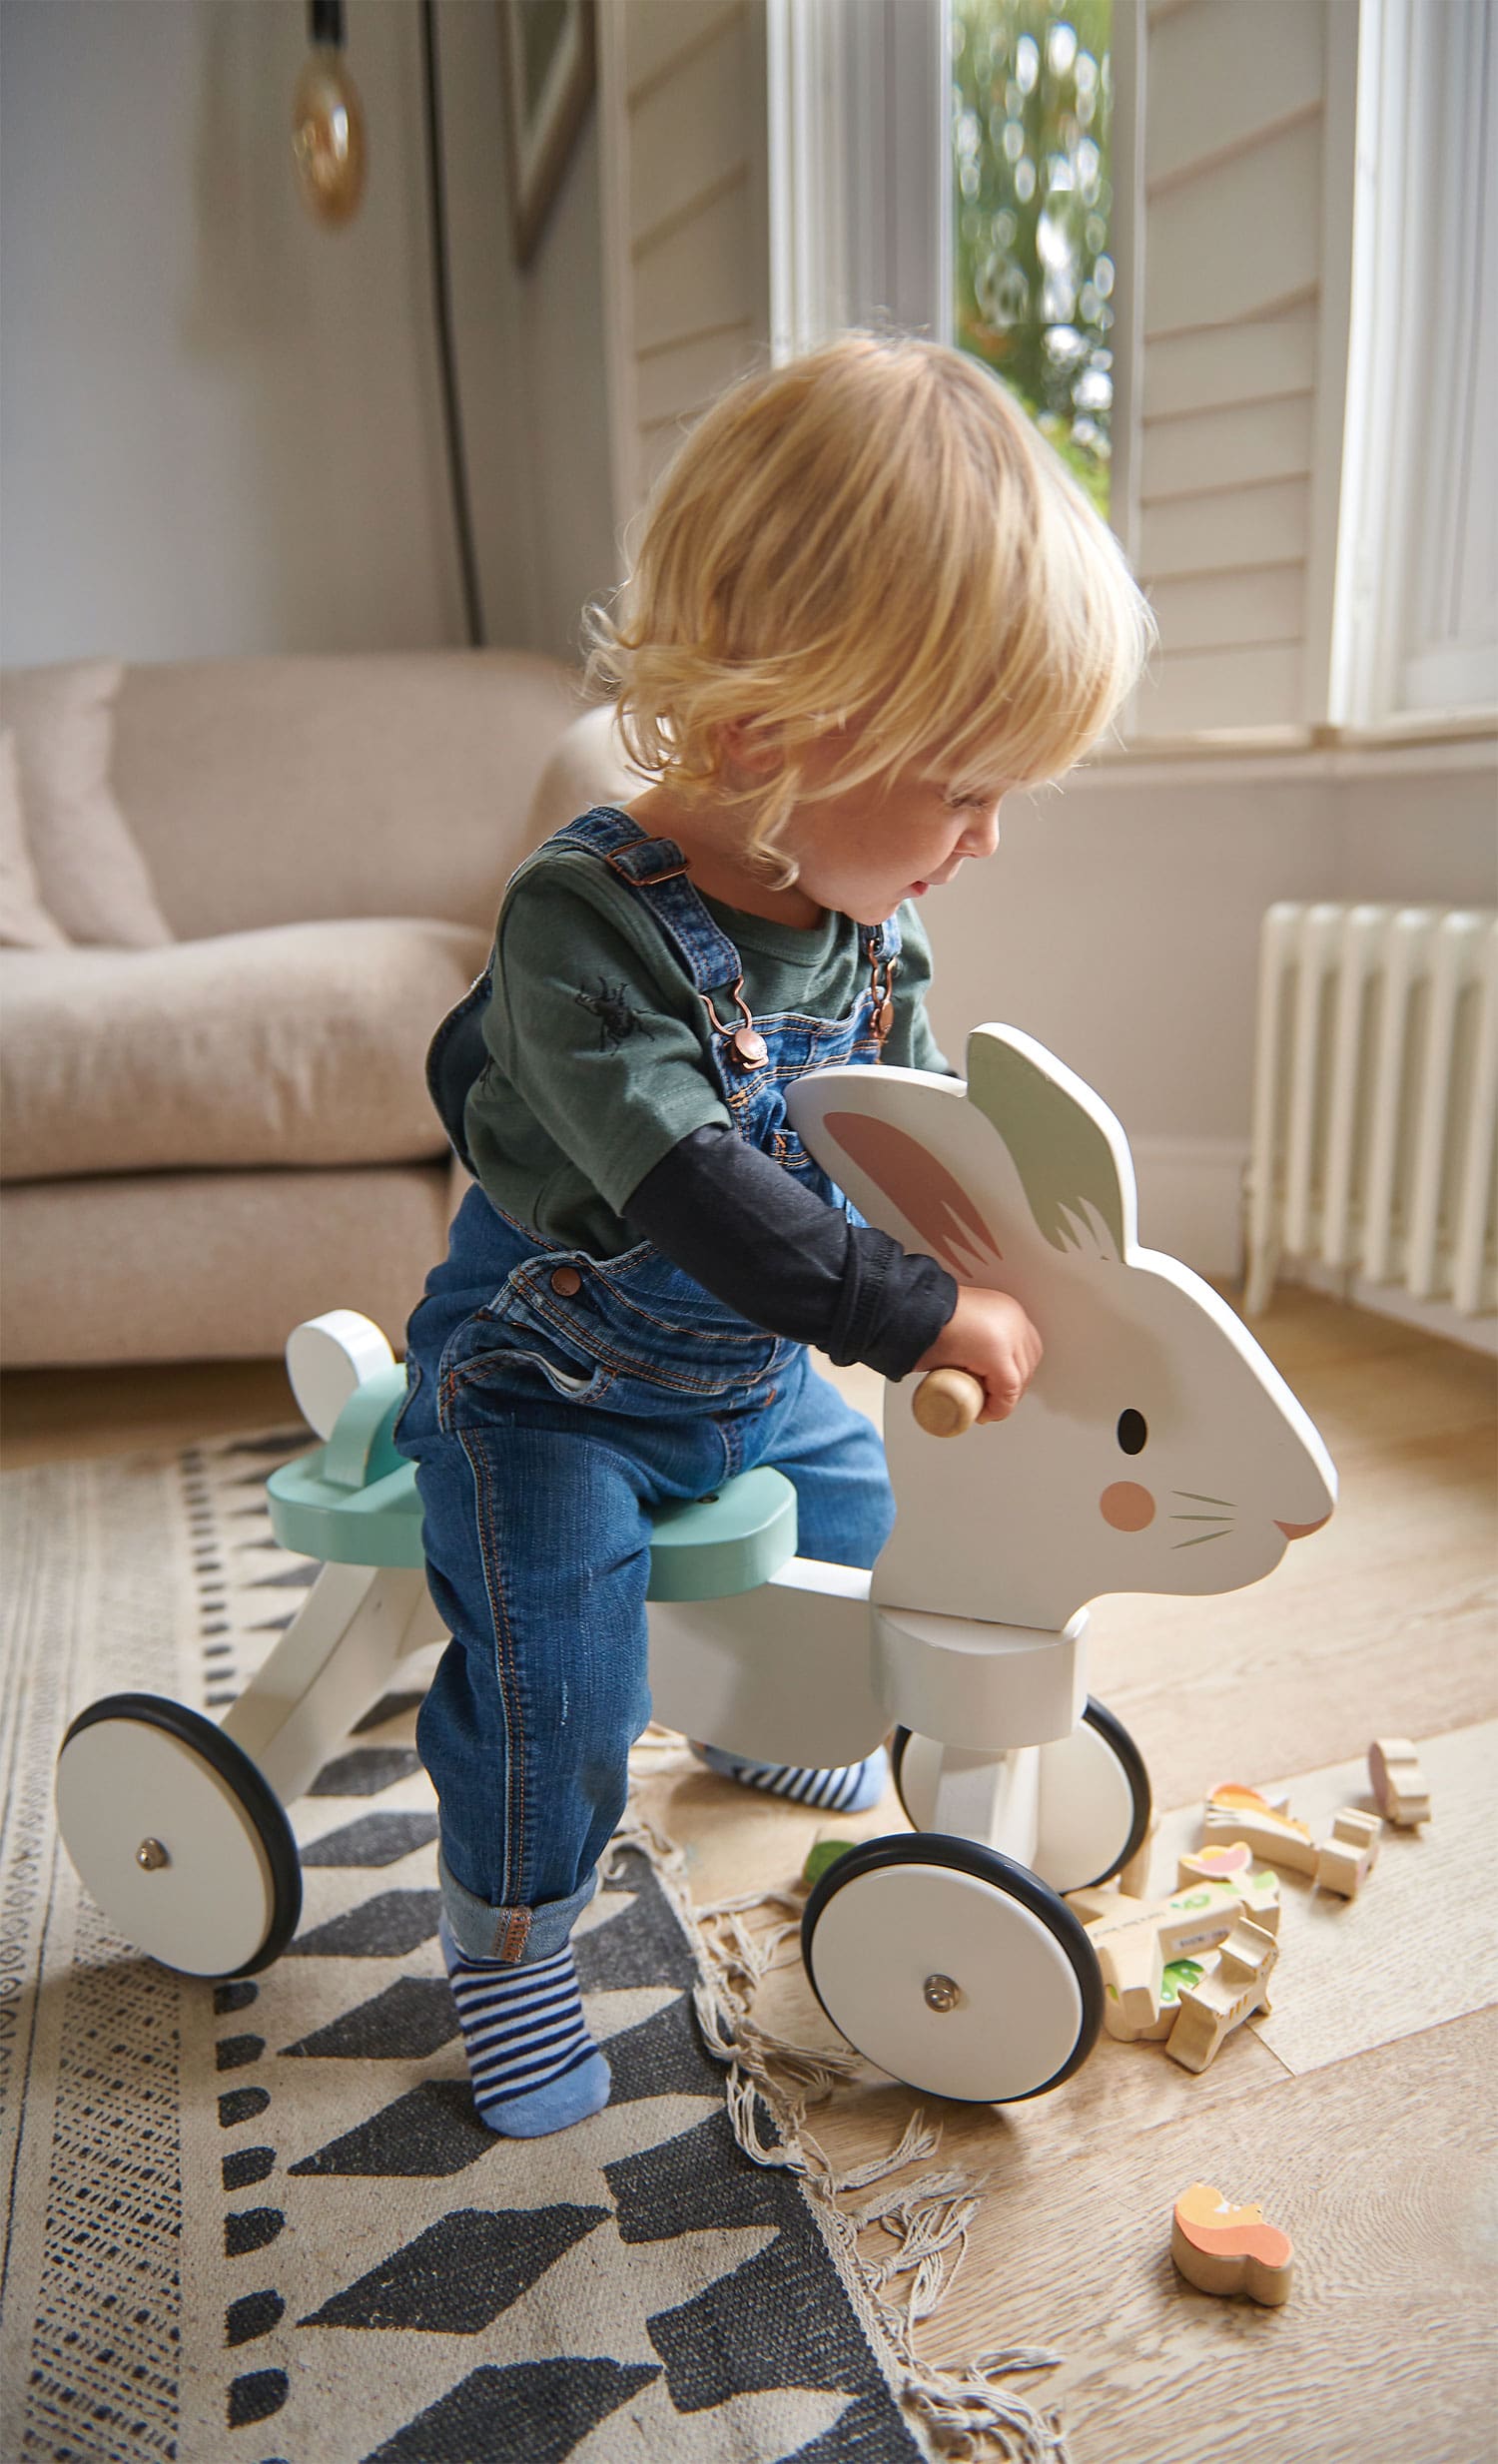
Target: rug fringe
[[769, 2082]]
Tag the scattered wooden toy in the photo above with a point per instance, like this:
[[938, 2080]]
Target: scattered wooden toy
[[1210, 2009], [1179, 1974], [1345, 1860], [1398, 1782], [1225, 2249], [821, 1854], [1339, 1863], [1233, 1861], [1236, 1813], [1136, 1939]]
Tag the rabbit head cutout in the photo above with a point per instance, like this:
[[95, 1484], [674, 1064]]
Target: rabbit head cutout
[[1157, 1449]]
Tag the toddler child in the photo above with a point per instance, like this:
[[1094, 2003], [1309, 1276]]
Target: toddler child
[[868, 599]]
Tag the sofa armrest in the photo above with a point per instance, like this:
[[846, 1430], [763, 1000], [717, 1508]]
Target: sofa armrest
[[587, 766]]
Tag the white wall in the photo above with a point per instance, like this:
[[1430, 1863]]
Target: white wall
[[1120, 923], [220, 425]]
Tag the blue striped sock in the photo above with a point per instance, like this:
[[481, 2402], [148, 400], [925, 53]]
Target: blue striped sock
[[851, 1789], [533, 2065]]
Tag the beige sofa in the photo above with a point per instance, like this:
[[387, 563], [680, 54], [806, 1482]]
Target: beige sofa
[[209, 1138]]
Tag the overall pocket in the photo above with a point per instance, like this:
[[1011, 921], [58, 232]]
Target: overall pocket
[[510, 1352]]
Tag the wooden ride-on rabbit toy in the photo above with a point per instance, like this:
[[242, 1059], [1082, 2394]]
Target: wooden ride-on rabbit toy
[[1157, 1450]]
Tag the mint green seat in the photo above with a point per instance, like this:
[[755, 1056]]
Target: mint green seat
[[353, 1501]]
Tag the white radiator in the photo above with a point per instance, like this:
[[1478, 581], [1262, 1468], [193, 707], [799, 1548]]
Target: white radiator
[[1375, 1102]]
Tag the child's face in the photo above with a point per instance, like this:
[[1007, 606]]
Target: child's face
[[865, 850]]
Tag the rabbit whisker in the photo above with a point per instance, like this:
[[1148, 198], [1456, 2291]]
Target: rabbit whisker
[[1200, 1536], [1196, 1518], [1198, 1499]]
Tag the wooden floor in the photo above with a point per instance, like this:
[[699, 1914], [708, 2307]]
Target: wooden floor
[[1361, 2113]]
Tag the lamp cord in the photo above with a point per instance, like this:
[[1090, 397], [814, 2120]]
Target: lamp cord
[[443, 302]]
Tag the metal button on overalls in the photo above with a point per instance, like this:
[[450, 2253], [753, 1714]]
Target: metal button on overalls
[[566, 1281]]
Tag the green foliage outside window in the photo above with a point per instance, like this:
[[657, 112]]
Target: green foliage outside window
[[1032, 124]]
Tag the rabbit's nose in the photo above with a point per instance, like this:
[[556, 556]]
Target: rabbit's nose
[[1299, 1530]]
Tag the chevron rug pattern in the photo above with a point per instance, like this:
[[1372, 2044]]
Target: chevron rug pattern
[[261, 2221]]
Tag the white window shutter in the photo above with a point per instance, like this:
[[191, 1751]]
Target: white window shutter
[[685, 218], [1244, 207], [1417, 607]]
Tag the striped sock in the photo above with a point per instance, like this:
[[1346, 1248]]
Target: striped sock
[[851, 1789], [533, 2065]]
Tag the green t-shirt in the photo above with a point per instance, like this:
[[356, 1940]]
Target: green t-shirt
[[599, 1046]]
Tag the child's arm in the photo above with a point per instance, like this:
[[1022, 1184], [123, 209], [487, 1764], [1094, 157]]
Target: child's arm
[[787, 1261], [749, 1233]]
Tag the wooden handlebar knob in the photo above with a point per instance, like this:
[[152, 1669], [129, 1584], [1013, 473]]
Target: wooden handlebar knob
[[948, 1402]]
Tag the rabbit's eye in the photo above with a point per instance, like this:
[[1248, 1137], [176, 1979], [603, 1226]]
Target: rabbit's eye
[[1132, 1432]]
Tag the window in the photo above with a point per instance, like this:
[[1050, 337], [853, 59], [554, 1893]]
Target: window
[[1032, 105]]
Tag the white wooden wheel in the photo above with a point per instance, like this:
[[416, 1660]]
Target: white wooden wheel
[[178, 1836], [951, 1968], [1094, 1798]]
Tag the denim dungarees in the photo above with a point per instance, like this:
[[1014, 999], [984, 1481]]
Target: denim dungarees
[[554, 1400]]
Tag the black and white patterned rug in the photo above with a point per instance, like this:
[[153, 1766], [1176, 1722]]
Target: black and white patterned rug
[[262, 2220]]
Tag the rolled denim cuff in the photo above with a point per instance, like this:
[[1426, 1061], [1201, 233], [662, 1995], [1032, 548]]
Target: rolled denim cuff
[[519, 1936]]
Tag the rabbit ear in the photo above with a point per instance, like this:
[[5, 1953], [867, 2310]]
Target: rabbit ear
[[923, 1189], [1067, 1148]]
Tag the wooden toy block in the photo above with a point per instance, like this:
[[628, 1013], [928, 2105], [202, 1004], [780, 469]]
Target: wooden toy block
[[1345, 1860], [1137, 1939], [1180, 1974], [1235, 1813], [1398, 1782], [1233, 1861], [1210, 2009], [1225, 2249]]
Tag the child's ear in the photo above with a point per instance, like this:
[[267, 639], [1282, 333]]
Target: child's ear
[[750, 745]]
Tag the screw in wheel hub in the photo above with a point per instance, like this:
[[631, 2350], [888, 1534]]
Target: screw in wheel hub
[[942, 1992], [151, 1856]]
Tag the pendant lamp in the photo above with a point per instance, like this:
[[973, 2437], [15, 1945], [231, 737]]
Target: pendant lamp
[[328, 122]]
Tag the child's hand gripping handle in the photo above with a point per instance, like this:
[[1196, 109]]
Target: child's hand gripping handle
[[947, 1402], [979, 1365]]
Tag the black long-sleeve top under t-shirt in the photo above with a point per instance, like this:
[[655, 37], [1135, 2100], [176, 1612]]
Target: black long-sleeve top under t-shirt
[[788, 1261]]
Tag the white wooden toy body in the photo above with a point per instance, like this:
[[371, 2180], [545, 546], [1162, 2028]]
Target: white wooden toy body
[[1157, 1449]]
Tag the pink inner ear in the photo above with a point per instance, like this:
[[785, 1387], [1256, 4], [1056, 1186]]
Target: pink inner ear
[[923, 1189]]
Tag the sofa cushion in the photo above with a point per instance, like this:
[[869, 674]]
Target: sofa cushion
[[91, 876], [300, 1044], [24, 921], [211, 1266], [279, 789]]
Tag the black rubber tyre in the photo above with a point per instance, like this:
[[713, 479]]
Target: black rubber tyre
[[930, 1849], [1125, 1753], [258, 1801]]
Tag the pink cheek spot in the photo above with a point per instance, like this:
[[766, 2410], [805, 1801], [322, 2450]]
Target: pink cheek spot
[[1127, 1506]]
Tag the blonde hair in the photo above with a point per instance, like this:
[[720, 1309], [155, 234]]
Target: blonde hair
[[873, 539]]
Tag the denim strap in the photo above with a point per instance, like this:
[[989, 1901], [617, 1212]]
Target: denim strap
[[656, 871]]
